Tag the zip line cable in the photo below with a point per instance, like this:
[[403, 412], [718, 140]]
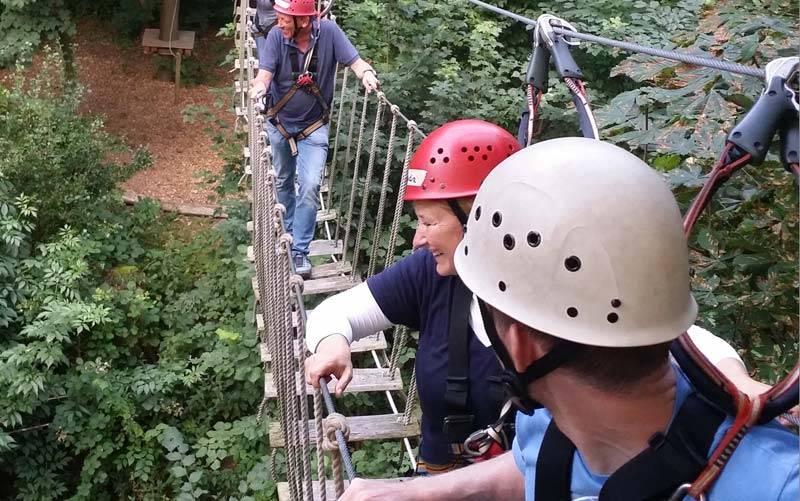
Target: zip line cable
[[708, 62]]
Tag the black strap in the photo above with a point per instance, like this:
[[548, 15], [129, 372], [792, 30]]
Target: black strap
[[458, 424], [554, 466], [298, 61], [670, 460]]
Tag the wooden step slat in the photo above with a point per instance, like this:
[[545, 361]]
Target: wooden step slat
[[322, 271], [381, 427], [363, 380], [284, 494], [330, 284], [369, 343], [322, 215], [316, 248]]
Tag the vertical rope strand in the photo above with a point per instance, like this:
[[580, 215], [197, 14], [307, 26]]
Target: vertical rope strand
[[376, 234], [361, 129], [362, 213], [401, 193]]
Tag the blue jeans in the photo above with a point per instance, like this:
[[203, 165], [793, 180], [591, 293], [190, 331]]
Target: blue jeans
[[309, 167]]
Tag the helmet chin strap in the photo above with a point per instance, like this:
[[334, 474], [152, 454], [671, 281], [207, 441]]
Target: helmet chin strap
[[516, 383], [459, 212]]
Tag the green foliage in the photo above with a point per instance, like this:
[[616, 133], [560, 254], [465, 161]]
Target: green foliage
[[26, 24], [49, 149]]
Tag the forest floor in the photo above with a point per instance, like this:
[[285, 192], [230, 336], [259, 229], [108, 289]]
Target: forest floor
[[123, 90]]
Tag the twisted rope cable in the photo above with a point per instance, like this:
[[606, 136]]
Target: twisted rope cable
[[296, 287], [376, 235], [361, 129], [336, 424], [400, 335], [335, 155], [362, 213], [347, 157], [401, 193], [411, 400], [708, 62], [320, 451]]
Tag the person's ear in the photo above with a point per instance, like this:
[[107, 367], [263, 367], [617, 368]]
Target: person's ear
[[523, 347]]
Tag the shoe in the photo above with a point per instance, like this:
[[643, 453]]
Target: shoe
[[302, 266]]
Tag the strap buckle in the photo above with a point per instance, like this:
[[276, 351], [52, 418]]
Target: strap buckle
[[457, 426], [305, 79], [480, 441]]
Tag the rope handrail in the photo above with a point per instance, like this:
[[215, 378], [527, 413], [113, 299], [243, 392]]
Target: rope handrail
[[708, 62]]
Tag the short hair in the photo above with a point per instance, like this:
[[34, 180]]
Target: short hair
[[610, 369]]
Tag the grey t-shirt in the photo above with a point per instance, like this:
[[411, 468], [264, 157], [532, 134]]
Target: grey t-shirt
[[266, 15], [331, 46]]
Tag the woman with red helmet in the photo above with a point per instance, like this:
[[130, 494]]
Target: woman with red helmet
[[454, 362]]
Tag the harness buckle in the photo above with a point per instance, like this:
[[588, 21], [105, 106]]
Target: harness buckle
[[305, 79], [457, 426]]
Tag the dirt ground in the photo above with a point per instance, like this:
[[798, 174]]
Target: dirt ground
[[123, 89]]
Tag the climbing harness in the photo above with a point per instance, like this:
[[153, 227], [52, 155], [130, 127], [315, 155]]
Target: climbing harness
[[304, 79]]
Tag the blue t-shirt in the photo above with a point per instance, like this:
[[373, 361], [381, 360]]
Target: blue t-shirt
[[331, 46], [764, 467], [411, 293]]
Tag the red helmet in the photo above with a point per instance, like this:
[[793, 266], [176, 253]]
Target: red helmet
[[453, 160], [295, 7]]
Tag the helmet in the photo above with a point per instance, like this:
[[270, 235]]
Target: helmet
[[295, 7], [581, 240], [453, 160]]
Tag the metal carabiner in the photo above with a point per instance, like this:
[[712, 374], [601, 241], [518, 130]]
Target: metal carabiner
[[681, 493], [479, 442], [788, 70], [544, 31]]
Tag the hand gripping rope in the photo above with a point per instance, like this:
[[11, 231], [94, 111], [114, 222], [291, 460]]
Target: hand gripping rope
[[776, 112]]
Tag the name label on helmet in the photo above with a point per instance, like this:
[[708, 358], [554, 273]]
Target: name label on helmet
[[283, 4], [416, 177]]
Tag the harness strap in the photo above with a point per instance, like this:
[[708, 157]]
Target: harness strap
[[671, 460], [554, 466], [458, 424], [299, 137]]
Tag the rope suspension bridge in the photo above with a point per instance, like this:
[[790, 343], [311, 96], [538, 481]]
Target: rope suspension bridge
[[371, 146]]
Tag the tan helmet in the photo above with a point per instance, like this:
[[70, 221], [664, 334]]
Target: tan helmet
[[583, 241]]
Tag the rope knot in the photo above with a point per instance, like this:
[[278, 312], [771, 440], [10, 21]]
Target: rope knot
[[394, 109], [412, 124], [331, 424], [280, 210], [296, 281]]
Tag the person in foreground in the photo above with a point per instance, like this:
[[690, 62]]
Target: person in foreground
[[582, 276]]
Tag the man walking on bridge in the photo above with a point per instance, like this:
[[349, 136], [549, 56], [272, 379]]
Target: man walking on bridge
[[297, 64]]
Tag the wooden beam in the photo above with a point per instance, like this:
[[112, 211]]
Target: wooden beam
[[380, 427], [369, 343], [364, 380]]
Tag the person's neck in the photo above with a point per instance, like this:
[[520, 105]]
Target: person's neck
[[609, 428], [303, 38]]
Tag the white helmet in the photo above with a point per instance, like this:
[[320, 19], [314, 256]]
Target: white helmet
[[581, 240]]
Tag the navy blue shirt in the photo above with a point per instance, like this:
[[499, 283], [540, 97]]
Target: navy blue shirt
[[411, 293], [331, 46]]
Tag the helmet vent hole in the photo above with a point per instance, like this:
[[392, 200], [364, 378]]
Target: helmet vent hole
[[508, 241], [478, 213], [497, 218], [572, 263], [572, 312], [612, 318], [463, 149], [489, 147], [510, 147], [433, 160], [616, 303], [466, 250], [501, 285], [446, 159], [485, 156], [470, 158], [477, 149], [440, 151], [534, 239]]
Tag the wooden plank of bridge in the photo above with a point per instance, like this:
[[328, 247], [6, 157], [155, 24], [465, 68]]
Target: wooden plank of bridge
[[316, 248], [364, 380], [284, 494], [369, 343], [378, 427]]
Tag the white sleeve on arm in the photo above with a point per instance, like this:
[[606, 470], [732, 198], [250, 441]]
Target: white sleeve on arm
[[713, 347], [353, 314]]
